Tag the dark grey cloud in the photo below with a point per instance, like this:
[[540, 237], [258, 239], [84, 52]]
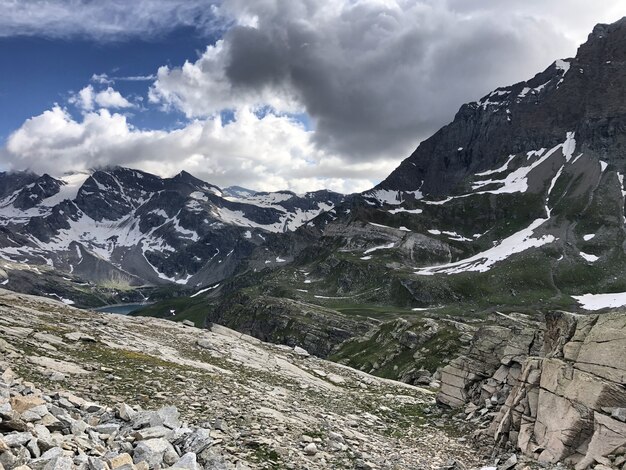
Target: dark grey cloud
[[376, 76]]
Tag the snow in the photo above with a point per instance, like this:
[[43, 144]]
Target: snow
[[516, 243], [366, 258], [589, 236], [409, 211], [562, 65], [65, 301], [280, 260], [603, 165], [517, 181], [381, 247], [4, 283], [482, 262], [247, 234], [202, 291], [382, 226], [434, 231], [390, 197], [497, 170], [69, 190], [620, 177], [600, 301], [589, 258], [199, 195], [404, 229]]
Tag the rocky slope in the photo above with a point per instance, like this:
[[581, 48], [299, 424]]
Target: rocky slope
[[555, 392], [240, 403]]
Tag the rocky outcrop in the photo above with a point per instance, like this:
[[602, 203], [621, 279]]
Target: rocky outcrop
[[317, 329], [263, 406], [562, 401]]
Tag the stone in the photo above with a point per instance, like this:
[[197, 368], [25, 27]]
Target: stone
[[187, 461], [151, 433], [310, 449], [124, 412], [17, 439], [166, 416], [60, 463], [608, 436], [120, 460], [509, 463], [619, 414], [152, 451], [298, 351], [20, 404]]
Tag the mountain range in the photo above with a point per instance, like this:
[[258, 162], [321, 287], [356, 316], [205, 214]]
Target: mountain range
[[519, 200]]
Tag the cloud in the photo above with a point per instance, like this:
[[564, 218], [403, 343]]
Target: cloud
[[88, 98], [104, 79], [376, 76], [373, 77], [110, 20], [266, 153]]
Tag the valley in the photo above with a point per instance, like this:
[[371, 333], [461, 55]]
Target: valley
[[466, 312]]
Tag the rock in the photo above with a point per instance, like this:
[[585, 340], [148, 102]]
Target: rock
[[151, 433], [20, 404], [125, 412], [152, 451], [619, 414], [310, 449], [298, 351], [17, 439], [509, 463], [188, 323], [90, 407], [166, 416], [120, 461], [60, 463], [78, 336], [187, 461]]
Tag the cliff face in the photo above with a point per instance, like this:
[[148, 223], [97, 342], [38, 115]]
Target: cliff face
[[556, 393], [584, 95]]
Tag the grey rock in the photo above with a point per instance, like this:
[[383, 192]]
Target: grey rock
[[152, 451]]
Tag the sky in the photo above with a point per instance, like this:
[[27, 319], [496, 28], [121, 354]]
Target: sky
[[264, 94]]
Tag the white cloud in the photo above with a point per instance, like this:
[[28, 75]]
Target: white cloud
[[88, 98], [266, 153], [110, 20]]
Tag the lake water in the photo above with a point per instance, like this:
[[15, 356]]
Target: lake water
[[120, 309]]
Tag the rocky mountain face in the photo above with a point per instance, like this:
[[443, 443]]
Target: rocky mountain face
[[125, 227], [555, 391], [582, 95]]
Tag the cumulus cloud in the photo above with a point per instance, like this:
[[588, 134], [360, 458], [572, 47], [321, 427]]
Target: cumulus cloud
[[88, 98], [266, 153], [110, 20], [376, 76]]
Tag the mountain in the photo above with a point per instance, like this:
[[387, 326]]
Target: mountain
[[518, 201], [130, 228]]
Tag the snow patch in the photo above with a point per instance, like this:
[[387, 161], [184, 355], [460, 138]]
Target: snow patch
[[588, 257], [600, 301]]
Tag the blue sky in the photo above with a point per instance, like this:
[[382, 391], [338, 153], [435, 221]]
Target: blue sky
[[267, 94], [51, 68]]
